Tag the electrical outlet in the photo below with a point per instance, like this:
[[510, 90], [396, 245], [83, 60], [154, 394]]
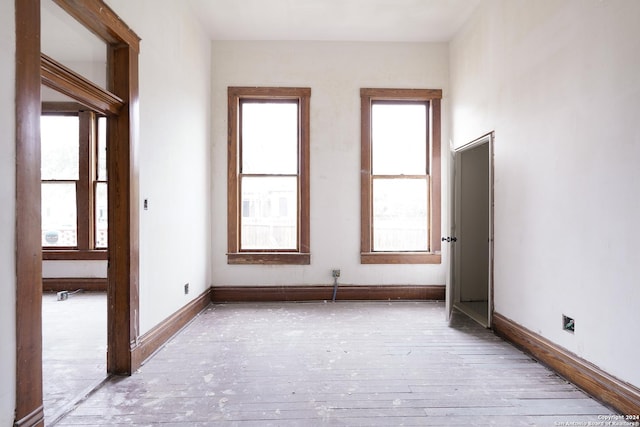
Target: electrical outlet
[[186, 288], [335, 273], [568, 324]]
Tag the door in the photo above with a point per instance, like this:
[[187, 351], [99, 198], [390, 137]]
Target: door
[[470, 281]]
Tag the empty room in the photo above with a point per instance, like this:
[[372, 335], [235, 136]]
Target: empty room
[[321, 212]]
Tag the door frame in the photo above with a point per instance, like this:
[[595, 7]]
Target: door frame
[[123, 234], [452, 284]]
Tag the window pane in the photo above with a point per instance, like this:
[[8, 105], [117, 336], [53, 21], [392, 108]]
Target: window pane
[[269, 213], [101, 222], [400, 215], [102, 149], [60, 145], [399, 139], [269, 138], [59, 224]]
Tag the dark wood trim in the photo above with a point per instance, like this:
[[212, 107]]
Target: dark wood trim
[[62, 107], [400, 258], [432, 98], [234, 255], [84, 187], [150, 342], [34, 419], [62, 79], [325, 292], [366, 196], [613, 392], [304, 242], [400, 94], [269, 258], [268, 93], [102, 21], [123, 213], [89, 284], [72, 254], [435, 231], [233, 231], [28, 409]]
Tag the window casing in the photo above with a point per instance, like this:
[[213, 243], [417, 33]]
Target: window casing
[[268, 175], [74, 183], [400, 176]]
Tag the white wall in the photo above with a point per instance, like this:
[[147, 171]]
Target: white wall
[[558, 82], [74, 269], [7, 215], [335, 72], [174, 155]]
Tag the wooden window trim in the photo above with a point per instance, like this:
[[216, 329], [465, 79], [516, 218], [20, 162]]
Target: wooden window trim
[[85, 185], [234, 254], [433, 97], [64, 80], [74, 254]]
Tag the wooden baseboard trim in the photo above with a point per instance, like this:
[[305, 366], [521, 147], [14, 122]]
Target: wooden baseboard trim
[[325, 292], [35, 418], [611, 391], [150, 342], [90, 284]]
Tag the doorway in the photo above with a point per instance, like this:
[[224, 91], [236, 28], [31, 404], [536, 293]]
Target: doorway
[[120, 103], [472, 230], [74, 249]]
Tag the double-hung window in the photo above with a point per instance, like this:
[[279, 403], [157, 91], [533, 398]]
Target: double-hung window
[[74, 182], [268, 175], [400, 176]]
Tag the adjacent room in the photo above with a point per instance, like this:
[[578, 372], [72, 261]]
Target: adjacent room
[[319, 212]]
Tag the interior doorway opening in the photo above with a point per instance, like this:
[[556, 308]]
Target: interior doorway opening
[[120, 103], [75, 250], [473, 230]]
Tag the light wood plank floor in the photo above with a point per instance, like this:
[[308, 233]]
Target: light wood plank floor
[[337, 364], [74, 349]]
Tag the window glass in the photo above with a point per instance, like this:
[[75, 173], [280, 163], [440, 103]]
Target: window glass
[[400, 215], [59, 217], [101, 223], [269, 137], [102, 149], [269, 206], [398, 138], [60, 147]]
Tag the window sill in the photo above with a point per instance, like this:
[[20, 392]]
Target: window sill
[[400, 258], [74, 254], [269, 258]]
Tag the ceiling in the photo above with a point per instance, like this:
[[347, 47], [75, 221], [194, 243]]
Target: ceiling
[[319, 20], [334, 20]]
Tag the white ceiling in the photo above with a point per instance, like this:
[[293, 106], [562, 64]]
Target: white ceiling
[[334, 20]]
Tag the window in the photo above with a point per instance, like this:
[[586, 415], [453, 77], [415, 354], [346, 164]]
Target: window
[[400, 176], [74, 181], [268, 176]]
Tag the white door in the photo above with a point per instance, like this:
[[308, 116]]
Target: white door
[[470, 242], [447, 245]]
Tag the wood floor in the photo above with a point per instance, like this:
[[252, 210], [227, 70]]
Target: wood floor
[[336, 364], [74, 349]]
